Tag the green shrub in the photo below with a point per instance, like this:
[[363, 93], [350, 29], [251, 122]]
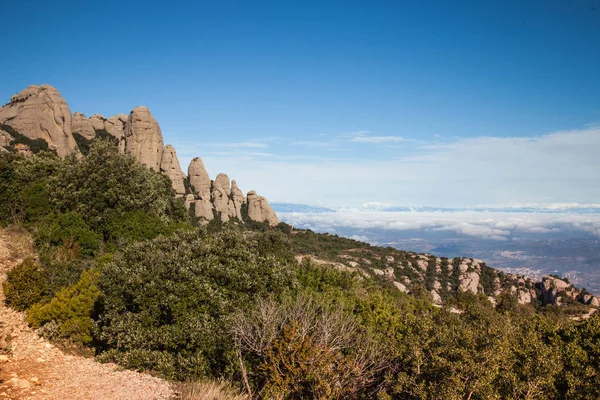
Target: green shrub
[[25, 285], [133, 226], [67, 230], [106, 183], [165, 302], [72, 310]]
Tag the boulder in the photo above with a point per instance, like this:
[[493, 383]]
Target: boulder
[[550, 288], [260, 210], [40, 112], [143, 138], [400, 286], [199, 178], [82, 125], [169, 166], [524, 297], [469, 282], [436, 298]]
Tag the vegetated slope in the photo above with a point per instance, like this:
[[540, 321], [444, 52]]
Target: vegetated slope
[[124, 274], [33, 368], [443, 278]]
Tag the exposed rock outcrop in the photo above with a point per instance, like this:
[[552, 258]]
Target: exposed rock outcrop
[[170, 167], [82, 125], [203, 209], [221, 198], [237, 198], [143, 138], [199, 178], [5, 138], [40, 112], [98, 122], [260, 210]]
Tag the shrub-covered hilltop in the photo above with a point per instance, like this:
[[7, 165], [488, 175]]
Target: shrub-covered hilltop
[[123, 273]]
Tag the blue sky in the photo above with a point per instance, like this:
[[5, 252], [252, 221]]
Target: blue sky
[[340, 102]]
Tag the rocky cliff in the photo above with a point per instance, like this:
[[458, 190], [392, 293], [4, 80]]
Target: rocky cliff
[[38, 118]]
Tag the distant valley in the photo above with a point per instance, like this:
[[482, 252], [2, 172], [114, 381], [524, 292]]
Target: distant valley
[[534, 247]]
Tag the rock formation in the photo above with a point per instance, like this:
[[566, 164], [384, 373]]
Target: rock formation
[[199, 179], [169, 166], [5, 138], [40, 112], [143, 138], [237, 199], [98, 121], [115, 126], [259, 209], [221, 192], [82, 125]]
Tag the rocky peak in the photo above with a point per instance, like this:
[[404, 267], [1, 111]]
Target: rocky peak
[[199, 178], [40, 112], [259, 209], [143, 138], [169, 166]]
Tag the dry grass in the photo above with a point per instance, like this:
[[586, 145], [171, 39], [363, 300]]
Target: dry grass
[[18, 241], [209, 390]]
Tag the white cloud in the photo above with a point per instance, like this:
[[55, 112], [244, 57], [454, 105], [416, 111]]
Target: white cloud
[[238, 145], [363, 137], [487, 225], [561, 168]]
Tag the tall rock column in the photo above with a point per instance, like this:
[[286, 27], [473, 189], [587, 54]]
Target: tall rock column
[[201, 183], [143, 138], [237, 199], [169, 166]]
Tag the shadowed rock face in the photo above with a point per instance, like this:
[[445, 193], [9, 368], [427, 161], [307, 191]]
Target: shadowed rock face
[[40, 112], [143, 138], [170, 167]]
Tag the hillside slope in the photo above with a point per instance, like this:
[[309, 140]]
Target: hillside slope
[[32, 368]]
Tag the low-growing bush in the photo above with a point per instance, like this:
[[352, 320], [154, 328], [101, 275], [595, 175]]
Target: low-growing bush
[[72, 310], [25, 285]]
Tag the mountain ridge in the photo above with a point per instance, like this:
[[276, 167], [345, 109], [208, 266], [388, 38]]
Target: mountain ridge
[[38, 118]]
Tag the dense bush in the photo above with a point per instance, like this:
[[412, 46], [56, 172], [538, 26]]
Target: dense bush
[[25, 285], [106, 185], [71, 310], [164, 302]]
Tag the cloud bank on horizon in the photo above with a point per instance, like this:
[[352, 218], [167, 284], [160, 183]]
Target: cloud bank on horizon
[[494, 225], [350, 169]]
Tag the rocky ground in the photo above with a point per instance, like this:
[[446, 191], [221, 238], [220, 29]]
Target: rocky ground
[[32, 368]]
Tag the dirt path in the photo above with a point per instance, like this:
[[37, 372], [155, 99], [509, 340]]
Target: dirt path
[[32, 368]]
